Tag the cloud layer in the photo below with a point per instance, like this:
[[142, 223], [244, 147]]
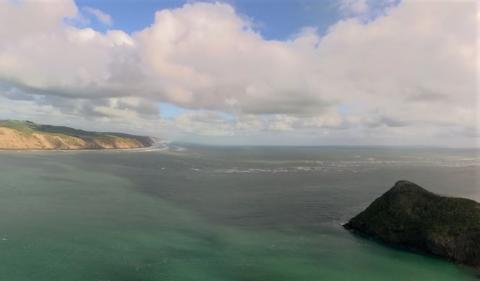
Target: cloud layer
[[408, 75]]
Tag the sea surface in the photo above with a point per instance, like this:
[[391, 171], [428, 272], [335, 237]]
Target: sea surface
[[199, 213]]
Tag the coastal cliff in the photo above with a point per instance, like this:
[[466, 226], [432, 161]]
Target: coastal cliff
[[410, 216], [26, 135]]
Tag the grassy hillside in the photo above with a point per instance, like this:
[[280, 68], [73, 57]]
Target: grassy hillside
[[410, 216], [28, 135]]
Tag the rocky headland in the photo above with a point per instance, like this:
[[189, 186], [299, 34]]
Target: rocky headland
[[409, 216]]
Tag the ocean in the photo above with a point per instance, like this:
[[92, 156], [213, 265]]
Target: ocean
[[201, 213]]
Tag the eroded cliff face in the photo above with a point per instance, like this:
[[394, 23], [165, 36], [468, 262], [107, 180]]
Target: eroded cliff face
[[14, 139], [410, 216]]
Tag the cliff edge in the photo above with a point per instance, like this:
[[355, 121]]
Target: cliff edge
[[26, 135]]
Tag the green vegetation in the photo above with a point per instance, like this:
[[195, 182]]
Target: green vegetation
[[60, 137], [22, 126], [410, 216]]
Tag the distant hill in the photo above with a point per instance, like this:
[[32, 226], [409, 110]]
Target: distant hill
[[410, 216], [26, 135]]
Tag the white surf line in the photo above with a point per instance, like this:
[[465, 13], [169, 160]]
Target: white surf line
[[104, 150]]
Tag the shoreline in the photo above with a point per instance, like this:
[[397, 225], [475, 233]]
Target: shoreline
[[153, 146]]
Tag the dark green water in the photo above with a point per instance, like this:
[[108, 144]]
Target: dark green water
[[211, 214]]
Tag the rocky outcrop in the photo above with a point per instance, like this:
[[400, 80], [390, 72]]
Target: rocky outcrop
[[410, 216], [24, 135]]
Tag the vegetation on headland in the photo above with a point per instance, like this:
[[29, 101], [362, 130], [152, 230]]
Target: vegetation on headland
[[410, 216], [26, 135]]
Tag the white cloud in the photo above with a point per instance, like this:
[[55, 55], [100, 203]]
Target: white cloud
[[366, 10], [353, 7], [99, 15], [409, 73]]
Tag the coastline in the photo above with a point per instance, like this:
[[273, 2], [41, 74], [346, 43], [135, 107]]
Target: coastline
[[153, 146]]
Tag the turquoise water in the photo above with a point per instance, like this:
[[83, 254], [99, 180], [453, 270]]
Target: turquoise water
[[203, 213]]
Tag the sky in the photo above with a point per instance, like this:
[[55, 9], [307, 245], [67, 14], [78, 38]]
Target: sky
[[245, 72]]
